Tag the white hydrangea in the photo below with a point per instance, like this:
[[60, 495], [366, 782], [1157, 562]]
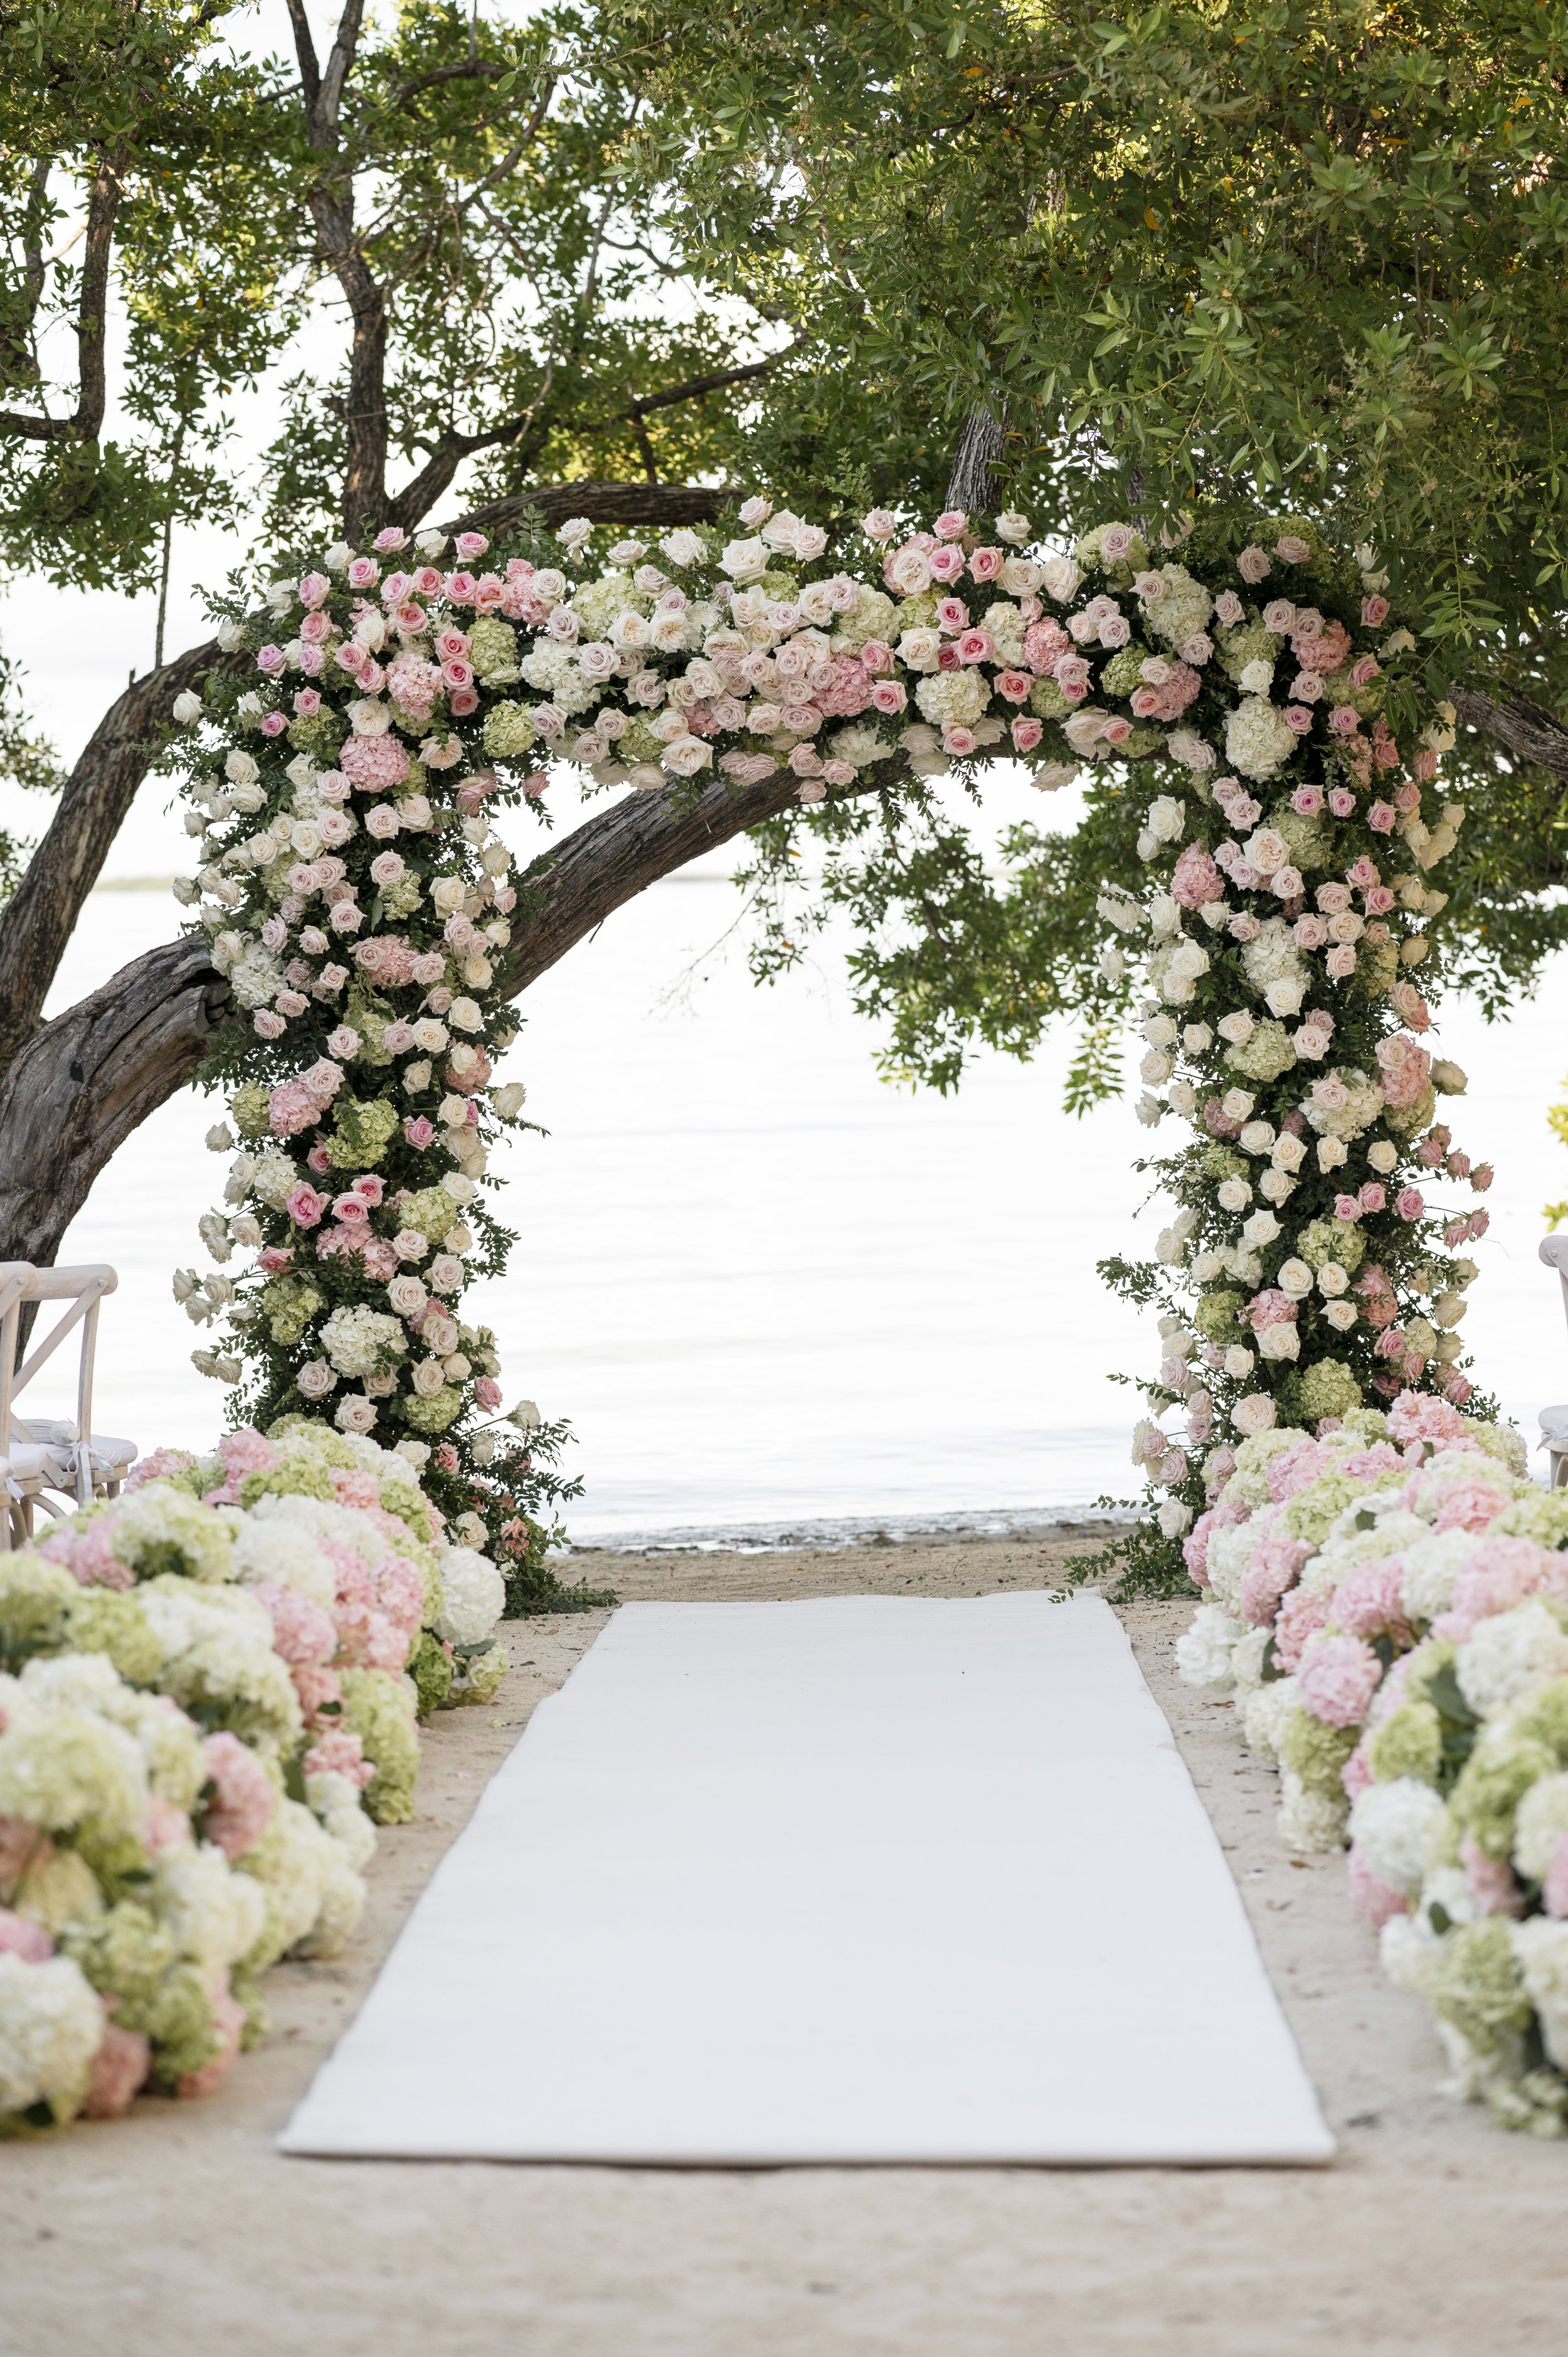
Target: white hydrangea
[[169, 1743], [51, 2026], [291, 1865], [953, 699], [1204, 1649], [552, 667], [1263, 1717], [354, 1338], [60, 1769], [1246, 1660], [1541, 1947], [1006, 624], [336, 1801], [860, 746], [256, 977], [1540, 1825], [341, 1905], [1431, 1566], [273, 1178], [323, 1519], [217, 1651], [212, 1911], [277, 1551], [1230, 1550], [1364, 1102], [1274, 968], [1508, 1653], [1259, 740], [473, 1594], [1390, 1825]]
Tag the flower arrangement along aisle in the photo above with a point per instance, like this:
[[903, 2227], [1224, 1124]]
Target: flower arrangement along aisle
[[203, 1706], [359, 904], [1389, 1606]]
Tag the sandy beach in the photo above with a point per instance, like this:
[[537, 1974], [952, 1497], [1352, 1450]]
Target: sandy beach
[[1432, 2233]]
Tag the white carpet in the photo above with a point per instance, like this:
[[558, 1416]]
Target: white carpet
[[861, 1879]]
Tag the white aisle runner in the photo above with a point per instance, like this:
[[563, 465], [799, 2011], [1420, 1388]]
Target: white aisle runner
[[856, 1880]]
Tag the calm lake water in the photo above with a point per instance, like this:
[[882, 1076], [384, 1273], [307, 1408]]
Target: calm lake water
[[772, 1292]]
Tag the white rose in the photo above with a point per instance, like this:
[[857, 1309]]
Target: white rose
[[684, 547], [464, 1015], [188, 709], [447, 894], [1167, 818], [241, 769], [686, 755], [1341, 1315], [1255, 1414], [355, 1413], [1295, 1279], [316, 1379], [1060, 577], [1012, 527], [744, 560], [1239, 1362], [369, 717]]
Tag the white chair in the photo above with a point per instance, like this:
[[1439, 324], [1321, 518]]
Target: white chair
[[42, 1453], [1554, 1420]]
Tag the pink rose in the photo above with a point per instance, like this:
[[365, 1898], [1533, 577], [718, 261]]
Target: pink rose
[[273, 724], [946, 563], [363, 573], [1373, 611], [960, 741], [888, 695], [1341, 800], [1344, 720], [950, 523], [266, 1025], [1228, 608], [418, 1132], [1253, 565], [1307, 801], [986, 564], [1340, 962], [1291, 551], [1347, 1206], [488, 1393], [1380, 900], [1026, 734], [1380, 818], [1374, 1196], [304, 1206], [460, 588], [1364, 671], [1298, 719], [951, 616], [976, 646], [1410, 1203]]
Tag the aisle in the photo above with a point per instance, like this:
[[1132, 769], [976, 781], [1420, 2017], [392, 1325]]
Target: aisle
[[893, 1880]]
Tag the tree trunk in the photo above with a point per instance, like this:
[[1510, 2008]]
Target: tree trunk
[[977, 462]]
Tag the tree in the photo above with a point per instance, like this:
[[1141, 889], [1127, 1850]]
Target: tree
[[470, 216], [1158, 260]]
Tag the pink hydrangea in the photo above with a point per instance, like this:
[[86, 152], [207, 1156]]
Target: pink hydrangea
[[1471, 1504], [375, 763], [1195, 1549], [337, 1751], [292, 1108], [352, 1485], [1493, 1884], [1197, 880], [18, 1937], [1270, 1572], [385, 958], [119, 2068], [1501, 1573], [319, 1688], [1337, 1679], [1295, 1467], [1271, 1307], [248, 1452], [1368, 1601], [243, 1802], [1375, 1899], [89, 1555], [157, 1467], [1404, 1070], [1415, 1416], [303, 1635], [1554, 1889], [1300, 1616]]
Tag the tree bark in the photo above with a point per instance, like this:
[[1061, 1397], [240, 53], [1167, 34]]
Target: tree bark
[[42, 913], [637, 505], [977, 462], [86, 1081], [1526, 730]]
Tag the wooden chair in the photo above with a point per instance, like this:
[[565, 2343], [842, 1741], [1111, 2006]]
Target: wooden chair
[[1554, 1420], [63, 1455]]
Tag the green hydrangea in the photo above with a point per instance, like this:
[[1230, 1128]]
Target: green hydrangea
[[36, 1598], [1408, 1743], [1215, 1315], [638, 742], [1313, 1510], [288, 1305], [1492, 1782], [493, 651], [1475, 1982], [297, 1478], [1338, 688], [510, 732], [164, 1529], [1249, 1482], [430, 1667], [380, 1711], [1141, 741], [1265, 1054], [102, 1621], [1125, 671], [1223, 1162], [370, 1020], [361, 1133], [434, 1414], [597, 603], [321, 736], [1369, 1423], [1315, 1752], [1541, 1716], [1379, 966], [1535, 2105], [128, 1954], [1323, 1241], [874, 616], [1046, 700], [250, 1107], [402, 1499], [1543, 1518], [1248, 643], [311, 1437], [1311, 840], [432, 1211], [1088, 553], [482, 1676], [1327, 1388], [401, 898]]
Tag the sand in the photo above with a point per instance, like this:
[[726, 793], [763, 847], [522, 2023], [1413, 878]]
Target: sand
[[181, 2227]]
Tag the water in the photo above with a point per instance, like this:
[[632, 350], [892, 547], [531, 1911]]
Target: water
[[775, 1295]]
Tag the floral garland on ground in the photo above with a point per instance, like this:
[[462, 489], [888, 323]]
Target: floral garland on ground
[[1389, 1607], [208, 1689], [358, 903]]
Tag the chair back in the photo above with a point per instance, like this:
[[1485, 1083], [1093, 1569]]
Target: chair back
[[79, 1290]]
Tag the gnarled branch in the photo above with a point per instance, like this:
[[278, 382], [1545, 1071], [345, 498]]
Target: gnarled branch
[[1526, 729]]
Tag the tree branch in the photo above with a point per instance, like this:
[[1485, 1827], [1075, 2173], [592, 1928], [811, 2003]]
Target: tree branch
[[474, 67], [1526, 729], [972, 486], [304, 49], [41, 914], [640, 505], [696, 386], [91, 376]]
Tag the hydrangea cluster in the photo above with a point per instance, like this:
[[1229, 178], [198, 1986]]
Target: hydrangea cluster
[[1391, 1606], [1310, 1268], [208, 1692], [360, 903]]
